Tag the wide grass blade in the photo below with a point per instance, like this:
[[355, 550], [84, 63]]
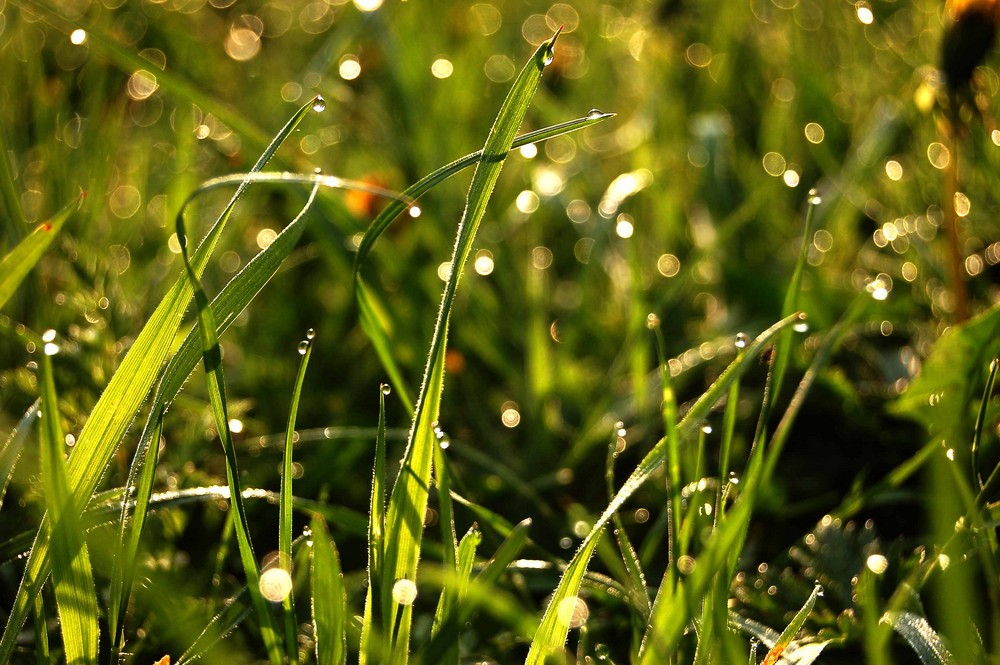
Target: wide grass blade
[[408, 501], [19, 261], [14, 445], [552, 634], [72, 576], [329, 599], [122, 398], [129, 535]]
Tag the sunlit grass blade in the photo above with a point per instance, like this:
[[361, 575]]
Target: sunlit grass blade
[[446, 617], [72, 576], [329, 599], [793, 627], [41, 632], [921, 637], [285, 503], [552, 634], [123, 397], [408, 501], [129, 534], [21, 259], [10, 194], [633, 567], [980, 420], [14, 445], [373, 623]]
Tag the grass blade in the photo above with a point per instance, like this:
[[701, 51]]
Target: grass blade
[[121, 399], [41, 632], [21, 259], [372, 315], [793, 627], [12, 448], [329, 598], [372, 625], [408, 501], [129, 535], [446, 617], [72, 576], [285, 503]]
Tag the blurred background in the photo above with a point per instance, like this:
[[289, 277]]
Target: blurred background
[[689, 205]]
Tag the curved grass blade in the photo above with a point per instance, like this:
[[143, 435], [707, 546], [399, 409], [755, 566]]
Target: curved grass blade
[[122, 398], [107, 507], [212, 355], [552, 634], [371, 313], [980, 420], [285, 503], [129, 535], [408, 500], [920, 636], [21, 259], [234, 611], [72, 576], [633, 567], [329, 600], [13, 446]]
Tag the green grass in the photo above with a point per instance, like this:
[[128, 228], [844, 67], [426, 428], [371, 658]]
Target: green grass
[[680, 380]]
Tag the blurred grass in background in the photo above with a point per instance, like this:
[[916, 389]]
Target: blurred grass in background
[[688, 205]]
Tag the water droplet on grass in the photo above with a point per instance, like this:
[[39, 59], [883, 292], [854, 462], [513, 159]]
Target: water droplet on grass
[[319, 104], [404, 591], [386, 388], [741, 340], [303, 347], [310, 334], [594, 114], [800, 327]]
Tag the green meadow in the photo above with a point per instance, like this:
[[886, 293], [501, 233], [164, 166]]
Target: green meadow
[[657, 332]]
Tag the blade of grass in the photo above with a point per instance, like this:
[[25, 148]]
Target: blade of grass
[[41, 632], [408, 500], [11, 196], [285, 503], [212, 355], [373, 623], [123, 396], [446, 617], [372, 315], [21, 259], [329, 600], [921, 637], [129, 535], [13, 447], [72, 576], [793, 627], [552, 633], [636, 579]]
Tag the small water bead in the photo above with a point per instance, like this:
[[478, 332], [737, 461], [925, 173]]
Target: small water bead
[[800, 327], [319, 104], [549, 55], [317, 170], [303, 347], [652, 321], [386, 389], [594, 114], [310, 334], [706, 428], [741, 340], [51, 349], [404, 591]]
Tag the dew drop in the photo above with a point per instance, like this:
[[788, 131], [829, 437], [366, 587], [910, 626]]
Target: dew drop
[[652, 321], [303, 347], [319, 104], [549, 56], [404, 591], [742, 340], [706, 428], [800, 327], [386, 388], [310, 334], [317, 170], [594, 114]]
